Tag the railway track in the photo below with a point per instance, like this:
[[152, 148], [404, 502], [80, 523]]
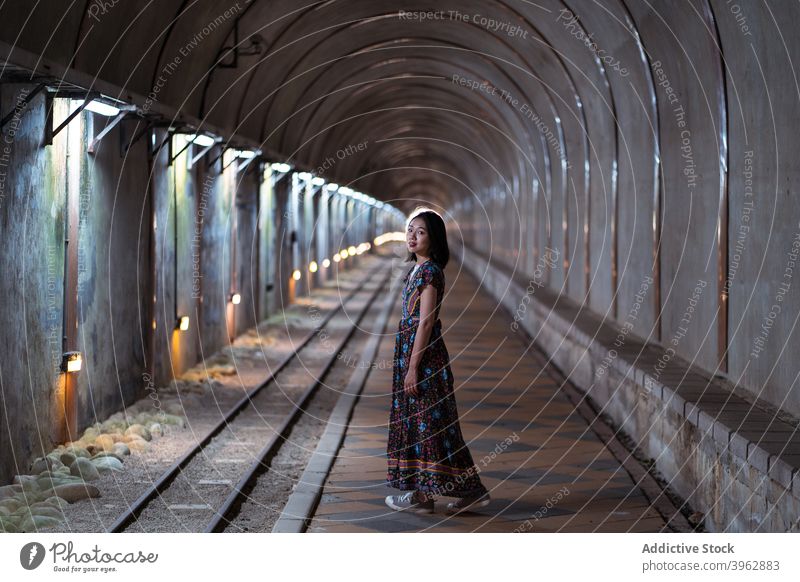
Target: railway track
[[205, 488]]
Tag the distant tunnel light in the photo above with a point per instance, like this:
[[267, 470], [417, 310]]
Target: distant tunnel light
[[351, 250], [312, 266], [337, 258], [201, 139], [183, 323], [389, 237], [326, 263], [102, 108], [236, 298], [343, 253], [72, 362], [296, 275], [317, 181], [281, 167]]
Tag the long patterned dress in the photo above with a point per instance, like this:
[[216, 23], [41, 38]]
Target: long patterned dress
[[426, 450]]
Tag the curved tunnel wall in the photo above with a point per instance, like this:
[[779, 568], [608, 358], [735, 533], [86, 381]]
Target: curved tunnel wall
[[643, 152]]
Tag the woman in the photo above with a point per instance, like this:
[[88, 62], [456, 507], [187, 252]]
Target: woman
[[426, 451]]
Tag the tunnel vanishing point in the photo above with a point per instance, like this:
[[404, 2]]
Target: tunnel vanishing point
[[621, 176]]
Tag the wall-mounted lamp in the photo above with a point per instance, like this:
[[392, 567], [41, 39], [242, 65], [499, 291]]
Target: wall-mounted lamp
[[296, 275], [71, 362], [336, 258], [235, 298], [281, 167], [326, 263], [245, 154], [100, 107], [343, 253], [312, 266], [182, 323], [351, 250], [202, 140]]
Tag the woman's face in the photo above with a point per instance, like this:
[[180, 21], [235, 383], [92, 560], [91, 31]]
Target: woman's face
[[417, 239]]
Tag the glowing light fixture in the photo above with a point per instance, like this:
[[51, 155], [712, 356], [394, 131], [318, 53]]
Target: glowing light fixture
[[202, 140], [313, 267], [343, 253], [236, 298], [317, 181], [72, 362], [102, 108], [332, 187], [346, 191], [351, 250], [183, 323], [296, 275], [326, 263], [304, 176], [281, 167], [336, 258]]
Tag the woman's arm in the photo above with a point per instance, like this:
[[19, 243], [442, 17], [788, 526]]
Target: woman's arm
[[427, 306]]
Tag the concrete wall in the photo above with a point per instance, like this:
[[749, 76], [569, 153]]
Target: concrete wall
[[682, 220], [121, 291], [713, 447]]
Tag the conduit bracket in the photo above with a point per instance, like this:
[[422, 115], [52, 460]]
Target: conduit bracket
[[183, 149], [106, 130], [49, 132], [243, 167], [22, 105], [219, 157], [200, 154]]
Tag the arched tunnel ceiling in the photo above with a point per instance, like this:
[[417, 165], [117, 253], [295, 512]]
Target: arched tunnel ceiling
[[335, 74]]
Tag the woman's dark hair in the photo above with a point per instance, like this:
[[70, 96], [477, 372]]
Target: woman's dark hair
[[437, 234]]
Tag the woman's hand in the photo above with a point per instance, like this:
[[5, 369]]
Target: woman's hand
[[410, 384]]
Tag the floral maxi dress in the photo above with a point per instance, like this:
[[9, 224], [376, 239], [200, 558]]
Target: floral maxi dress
[[426, 450]]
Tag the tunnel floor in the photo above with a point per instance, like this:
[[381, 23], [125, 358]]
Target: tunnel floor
[[548, 465], [546, 469]]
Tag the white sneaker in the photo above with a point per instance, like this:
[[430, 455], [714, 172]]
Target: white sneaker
[[468, 503], [405, 502]]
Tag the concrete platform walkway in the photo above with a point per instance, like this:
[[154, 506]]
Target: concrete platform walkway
[[547, 470]]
